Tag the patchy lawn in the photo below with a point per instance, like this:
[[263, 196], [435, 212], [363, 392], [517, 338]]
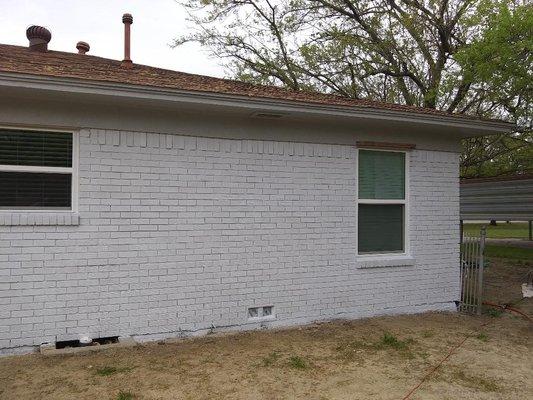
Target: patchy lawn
[[503, 253], [378, 358], [511, 230]]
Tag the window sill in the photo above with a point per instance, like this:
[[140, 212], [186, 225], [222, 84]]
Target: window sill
[[382, 261], [37, 218]]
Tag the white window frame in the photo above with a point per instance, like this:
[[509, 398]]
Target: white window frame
[[73, 170], [406, 223]]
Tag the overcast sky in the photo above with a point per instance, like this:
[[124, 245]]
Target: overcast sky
[[99, 23]]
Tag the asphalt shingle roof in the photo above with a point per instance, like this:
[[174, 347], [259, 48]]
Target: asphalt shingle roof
[[21, 60]]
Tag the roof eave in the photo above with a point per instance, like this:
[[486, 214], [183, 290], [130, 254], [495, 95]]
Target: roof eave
[[82, 86]]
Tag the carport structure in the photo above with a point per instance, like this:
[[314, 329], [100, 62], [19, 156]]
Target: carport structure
[[508, 198]]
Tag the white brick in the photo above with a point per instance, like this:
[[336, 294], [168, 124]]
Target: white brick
[[177, 233]]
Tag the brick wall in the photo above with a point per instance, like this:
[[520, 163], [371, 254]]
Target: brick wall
[[178, 234]]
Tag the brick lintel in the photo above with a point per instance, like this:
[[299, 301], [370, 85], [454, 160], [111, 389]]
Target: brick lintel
[[385, 145]]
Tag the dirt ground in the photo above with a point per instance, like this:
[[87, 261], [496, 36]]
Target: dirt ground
[[377, 358], [503, 282]]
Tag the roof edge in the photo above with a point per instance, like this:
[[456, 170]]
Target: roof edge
[[501, 178], [497, 216], [82, 86]]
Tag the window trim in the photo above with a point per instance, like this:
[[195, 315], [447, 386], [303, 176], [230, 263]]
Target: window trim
[[406, 225], [73, 170]]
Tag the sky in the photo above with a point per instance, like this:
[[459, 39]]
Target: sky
[[99, 23]]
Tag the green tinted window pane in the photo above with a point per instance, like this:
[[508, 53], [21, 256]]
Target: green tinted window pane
[[381, 175], [43, 149], [381, 228]]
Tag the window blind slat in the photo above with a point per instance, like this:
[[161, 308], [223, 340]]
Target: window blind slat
[[45, 149], [381, 175]]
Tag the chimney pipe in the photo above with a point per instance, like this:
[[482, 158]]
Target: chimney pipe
[[83, 47], [127, 19], [39, 38]]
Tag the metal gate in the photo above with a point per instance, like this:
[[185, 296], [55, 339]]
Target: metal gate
[[472, 264]]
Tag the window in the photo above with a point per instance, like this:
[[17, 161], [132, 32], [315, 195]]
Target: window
[[36, 170], [381, 202]]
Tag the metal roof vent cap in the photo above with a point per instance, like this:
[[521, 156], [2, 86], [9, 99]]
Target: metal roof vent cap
[[83, 47], [39, 38], [127, 19]]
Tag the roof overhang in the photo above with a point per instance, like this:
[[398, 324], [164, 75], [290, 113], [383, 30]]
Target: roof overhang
[[463, 127]]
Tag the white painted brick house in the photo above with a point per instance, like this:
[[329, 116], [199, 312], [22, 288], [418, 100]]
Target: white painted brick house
[[148, 203]]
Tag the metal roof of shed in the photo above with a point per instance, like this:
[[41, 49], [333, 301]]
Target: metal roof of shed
[[502, 198]]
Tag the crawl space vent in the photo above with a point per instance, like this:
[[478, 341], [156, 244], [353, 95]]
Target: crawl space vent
[[257, 313], [76, 343]]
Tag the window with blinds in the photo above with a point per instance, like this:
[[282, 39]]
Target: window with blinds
[[381, 202], [381, 175], [35, 170]]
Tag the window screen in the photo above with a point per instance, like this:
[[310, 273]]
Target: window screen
[[35, 170], [381, 180]]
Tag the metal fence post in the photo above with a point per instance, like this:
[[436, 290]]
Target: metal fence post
[[481, 261]]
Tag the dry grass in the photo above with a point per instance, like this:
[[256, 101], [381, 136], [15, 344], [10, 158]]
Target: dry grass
[[379, 358]]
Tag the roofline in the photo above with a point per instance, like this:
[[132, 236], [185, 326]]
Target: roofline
[[83, 86], [497, 216]]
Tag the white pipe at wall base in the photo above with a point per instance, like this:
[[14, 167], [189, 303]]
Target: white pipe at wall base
[[85, 340]]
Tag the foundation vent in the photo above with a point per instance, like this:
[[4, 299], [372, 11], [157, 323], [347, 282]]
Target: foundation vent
[[95, 342], [261, 313]]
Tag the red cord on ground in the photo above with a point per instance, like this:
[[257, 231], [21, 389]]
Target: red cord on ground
[[436, 367], [506, 307], [456, 347], [408, 395]]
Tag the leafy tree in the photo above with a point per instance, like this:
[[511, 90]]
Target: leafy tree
[[499, 62], [462, 56], [497, 155]]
